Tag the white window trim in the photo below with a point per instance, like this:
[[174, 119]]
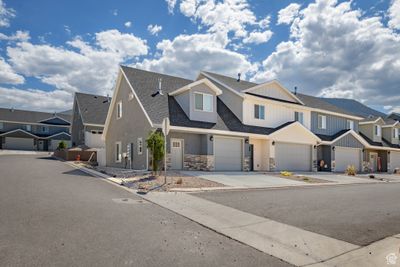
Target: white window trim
[[140, 146], [378, 130], [120, 152], [28, 127], [350, 124], [323, 122], [119, 104], [396, 133], [203, 94], [254, 115]]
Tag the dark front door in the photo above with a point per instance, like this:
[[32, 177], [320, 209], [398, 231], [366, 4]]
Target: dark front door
[[251, 148]]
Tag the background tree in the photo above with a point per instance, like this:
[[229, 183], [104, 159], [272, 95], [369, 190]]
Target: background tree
[[155, 142]]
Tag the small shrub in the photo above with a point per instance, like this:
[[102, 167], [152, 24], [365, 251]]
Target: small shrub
[[286, 173], [306, 179], [179, 181], [62, 145], [351, 170]]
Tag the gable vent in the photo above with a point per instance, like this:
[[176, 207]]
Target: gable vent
[[238, 79]]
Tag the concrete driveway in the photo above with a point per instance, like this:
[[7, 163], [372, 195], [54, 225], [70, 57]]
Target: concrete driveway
[[245, 179]]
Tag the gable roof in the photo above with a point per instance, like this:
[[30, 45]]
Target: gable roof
[[355, 107], [231, 82], [394, 116], [93, 108], [320, 103], [145, 83], [210, 85], [28, 116]]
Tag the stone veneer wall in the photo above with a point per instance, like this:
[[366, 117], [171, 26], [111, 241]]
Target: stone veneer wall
[[198, 162], [246, 164], [272, 165]]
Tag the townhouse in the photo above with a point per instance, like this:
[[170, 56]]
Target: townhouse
[[31, 130], [222, 123], [88, 117]]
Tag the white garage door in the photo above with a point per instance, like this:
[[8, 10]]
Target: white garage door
[[394, 160], [292, 157], [228, 154], [347, 156], [19, 143]]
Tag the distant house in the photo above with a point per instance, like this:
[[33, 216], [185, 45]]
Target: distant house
[[31, 130], [88, 118]]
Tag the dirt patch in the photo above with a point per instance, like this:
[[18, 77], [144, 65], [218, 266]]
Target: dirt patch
[[306, 179], [174, 180]]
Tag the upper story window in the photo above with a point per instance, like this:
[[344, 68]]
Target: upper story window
[[1, 125], [321, 122], [396, 133], [203, 102], [28, 127], [259, 112], [299, 116], [378, 130], [119, 110], [44, 129], [350, 124]]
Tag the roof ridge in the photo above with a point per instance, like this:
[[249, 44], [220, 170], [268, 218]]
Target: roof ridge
[[159, 73], [83, 93]]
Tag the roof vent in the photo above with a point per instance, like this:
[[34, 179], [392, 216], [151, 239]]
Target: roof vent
[[295, 90], [159, 91], [238, 79], [108, 98], [12, 109]]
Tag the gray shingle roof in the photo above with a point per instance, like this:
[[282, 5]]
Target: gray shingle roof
[[231, 82], [93, 108], [310, 101], [28, 116], [395, 116], [355, 107], [145, 83]]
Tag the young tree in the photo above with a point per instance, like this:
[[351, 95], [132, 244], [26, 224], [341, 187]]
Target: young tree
[[62, 145], [155, 142]]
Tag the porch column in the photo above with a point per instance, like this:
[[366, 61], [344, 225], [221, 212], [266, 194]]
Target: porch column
[[314, 158], [272, 163]]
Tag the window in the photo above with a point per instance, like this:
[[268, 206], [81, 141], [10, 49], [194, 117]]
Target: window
[[378, 130], [321, 122], [299, 116], [118, 152], [140, 146], [1, 125], [28, 127], [203, 102], [350, 124], [119, 110], [396, 133], [259, 112], [45, 129]]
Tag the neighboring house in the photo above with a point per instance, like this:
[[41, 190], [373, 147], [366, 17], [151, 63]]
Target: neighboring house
[[31, 130], [227, 124], [88, 118], [380, 136]]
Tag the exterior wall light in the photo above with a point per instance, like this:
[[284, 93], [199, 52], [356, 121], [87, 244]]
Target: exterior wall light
[[273, 143], [246, 141], [211, 138], [333, 148]]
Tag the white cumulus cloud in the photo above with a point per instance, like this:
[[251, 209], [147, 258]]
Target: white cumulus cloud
[[171, 5], [5, 14], [288, 14], [186, 55], [154, 29], [17, 36], [394, 15], [8, 75], [128, 24], [257, 37], [335, 51]]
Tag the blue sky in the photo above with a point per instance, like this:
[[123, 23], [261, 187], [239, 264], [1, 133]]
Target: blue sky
[[51, 49]]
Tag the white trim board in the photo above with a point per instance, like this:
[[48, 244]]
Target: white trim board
[[205, 81]]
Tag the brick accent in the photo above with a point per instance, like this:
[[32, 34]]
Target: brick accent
[[272, 164], [246, 164]]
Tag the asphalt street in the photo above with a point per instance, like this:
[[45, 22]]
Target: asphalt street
[[358, 214], [54, 215]]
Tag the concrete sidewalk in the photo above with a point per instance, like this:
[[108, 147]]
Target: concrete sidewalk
[[291, 244]]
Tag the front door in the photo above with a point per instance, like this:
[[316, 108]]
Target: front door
[[373, 161], [176, 154], [41, 145]]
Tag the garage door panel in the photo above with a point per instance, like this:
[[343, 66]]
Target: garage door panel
[[394, 160], [345, 157], [18, 143], [292, 157], [228, 154]]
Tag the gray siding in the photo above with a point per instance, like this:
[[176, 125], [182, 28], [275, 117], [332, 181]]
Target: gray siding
[[194, 144], [184, 101], [77, 129], [369, 131], [35, 129], [233, 101], [348, 141], [128, 129], [334, 124]]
